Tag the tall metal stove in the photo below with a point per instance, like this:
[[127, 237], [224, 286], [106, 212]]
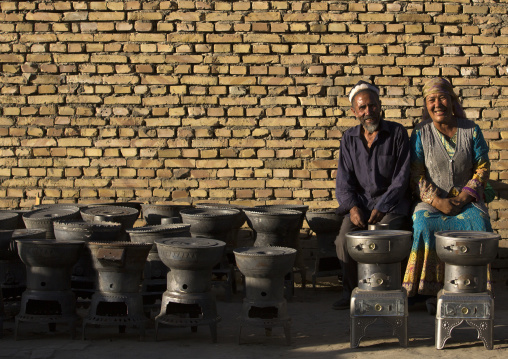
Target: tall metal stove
[[48, 298], [465, 296], [379, 294], [117, 300], [264, 304], [188, 300]]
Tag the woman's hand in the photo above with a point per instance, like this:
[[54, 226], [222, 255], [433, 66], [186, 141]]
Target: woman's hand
[[452, 206]]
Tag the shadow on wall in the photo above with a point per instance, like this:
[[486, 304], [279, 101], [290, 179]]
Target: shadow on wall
[[500, 188]]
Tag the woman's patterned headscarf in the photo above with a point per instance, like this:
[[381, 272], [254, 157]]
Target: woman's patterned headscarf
[[440, 85]]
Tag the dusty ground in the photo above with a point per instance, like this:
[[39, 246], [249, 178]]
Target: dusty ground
[[317, 331]]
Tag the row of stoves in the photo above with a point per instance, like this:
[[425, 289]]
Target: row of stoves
[[464, 297], [275, 225], [114, 299], [117, 301]]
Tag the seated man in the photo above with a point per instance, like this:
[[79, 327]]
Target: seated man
[[372, 177]]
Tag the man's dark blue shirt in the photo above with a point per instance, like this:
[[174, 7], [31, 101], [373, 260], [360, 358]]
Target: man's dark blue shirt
[[377, 177]]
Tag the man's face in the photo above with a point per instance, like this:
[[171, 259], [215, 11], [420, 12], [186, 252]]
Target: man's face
[[367, 108]]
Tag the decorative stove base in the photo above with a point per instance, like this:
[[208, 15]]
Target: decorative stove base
[[453, 309], [49, 308], [122, 310], [369, 306], [265, 315], [188, 310]]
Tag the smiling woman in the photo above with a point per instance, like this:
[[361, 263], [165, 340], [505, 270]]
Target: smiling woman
[[449, 170]]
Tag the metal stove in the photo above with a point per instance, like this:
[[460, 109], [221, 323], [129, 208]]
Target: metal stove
[[277, 227], [326, 225], [117, 300], [83, 273], [294, 242], [13, 270], [5, 242], [379, 294], [124, 215], [43, 218], [264, 304], [155, 273], [188, 300], [155, 214], [48, 298], [464, 297], [221, 224]]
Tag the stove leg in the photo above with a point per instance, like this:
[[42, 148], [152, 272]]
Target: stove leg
[[16, 327], [83, 336], [444, 329], [268, 332], [141, 332], [240, 335], [156, 330], [287, 333], [485, 331], [358, 327], [399, 326], [213, 330], [72, 329]]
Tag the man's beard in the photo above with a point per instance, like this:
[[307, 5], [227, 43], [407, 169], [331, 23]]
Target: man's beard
[[369, 127]]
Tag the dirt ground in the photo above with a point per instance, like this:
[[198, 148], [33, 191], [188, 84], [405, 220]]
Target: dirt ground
[[317, 331]]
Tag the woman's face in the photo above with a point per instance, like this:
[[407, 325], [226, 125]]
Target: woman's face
[[439, 106]]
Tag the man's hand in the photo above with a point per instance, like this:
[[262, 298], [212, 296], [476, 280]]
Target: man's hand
[[376, 216], [356, 217]]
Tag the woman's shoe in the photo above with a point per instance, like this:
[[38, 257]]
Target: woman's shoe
[[431, 304], [342, 303]]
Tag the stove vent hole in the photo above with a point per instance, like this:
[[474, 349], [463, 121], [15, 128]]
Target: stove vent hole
[[184, 310], [263, 294], [112, 309], [263, 312], [43, 307], [43, 284], [185, 286], [111, 286]]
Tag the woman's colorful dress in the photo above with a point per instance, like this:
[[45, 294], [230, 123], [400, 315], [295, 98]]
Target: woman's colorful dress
[[425, 272]]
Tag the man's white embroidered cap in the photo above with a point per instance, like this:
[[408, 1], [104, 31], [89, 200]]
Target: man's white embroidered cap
[[361, 86]]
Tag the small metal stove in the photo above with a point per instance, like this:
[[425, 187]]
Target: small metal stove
[[155, 273], [277, 227], [117, 300], [13, 270], [48, 298], [188, 300], [221, 224], [124, 215], [83, 274], [326, 225], [153, 214], [379, 293], [264, 304], [294, 242], [43, 218], [5, 242], [464, 297]]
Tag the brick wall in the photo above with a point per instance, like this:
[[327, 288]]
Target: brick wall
[[237, 101]]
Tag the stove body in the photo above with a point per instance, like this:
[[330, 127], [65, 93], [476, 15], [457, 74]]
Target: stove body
[[48, 298], [264, 304], [464, 297], [188, 300], [379, 294], [118, 300], [326, 225]]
